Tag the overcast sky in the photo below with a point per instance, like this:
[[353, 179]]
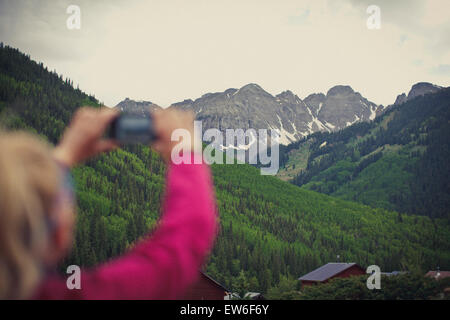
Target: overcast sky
[[166, 51]]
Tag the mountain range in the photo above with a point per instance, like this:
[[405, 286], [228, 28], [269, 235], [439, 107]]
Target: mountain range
[[419, 89], [140, 107], [341, 144], [293, 118]]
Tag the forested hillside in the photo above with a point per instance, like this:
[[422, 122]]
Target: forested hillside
[[118, 193], [271, 229], [397, 162]]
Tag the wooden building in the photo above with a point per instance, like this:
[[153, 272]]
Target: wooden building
[[206, 288], [330, 271]]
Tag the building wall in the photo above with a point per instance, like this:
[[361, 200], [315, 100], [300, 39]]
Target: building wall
[[353, 271], [205, 289]]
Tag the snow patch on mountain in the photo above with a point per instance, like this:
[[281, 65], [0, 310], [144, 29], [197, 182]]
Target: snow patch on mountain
[[354, 121], [285, 136], [320, 126], [373, 112], [241, 146]]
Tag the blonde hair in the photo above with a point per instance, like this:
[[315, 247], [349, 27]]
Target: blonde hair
[[29, 180]]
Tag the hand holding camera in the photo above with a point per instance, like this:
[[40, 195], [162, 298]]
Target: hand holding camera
[[84, 138]]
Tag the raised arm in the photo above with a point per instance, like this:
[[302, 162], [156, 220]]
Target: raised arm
[[167, 262]]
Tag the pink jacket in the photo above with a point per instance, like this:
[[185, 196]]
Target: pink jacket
[[165, 264]]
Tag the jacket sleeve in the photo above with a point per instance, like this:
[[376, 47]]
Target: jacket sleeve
[[167, 262]]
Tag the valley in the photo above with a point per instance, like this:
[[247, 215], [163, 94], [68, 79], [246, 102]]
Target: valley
[[272, 231]]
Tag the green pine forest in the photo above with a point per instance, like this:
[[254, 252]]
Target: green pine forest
[[272, 231]]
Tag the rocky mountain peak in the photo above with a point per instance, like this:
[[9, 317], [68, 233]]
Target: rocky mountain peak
[[340, 90], [401, 98], [288, 96], [418, 89], [230, 91], [139, 107], [253, 107], [422, 88], [252, 88], [315, 102]]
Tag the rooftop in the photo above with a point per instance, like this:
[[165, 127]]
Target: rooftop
[[326, 271]]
